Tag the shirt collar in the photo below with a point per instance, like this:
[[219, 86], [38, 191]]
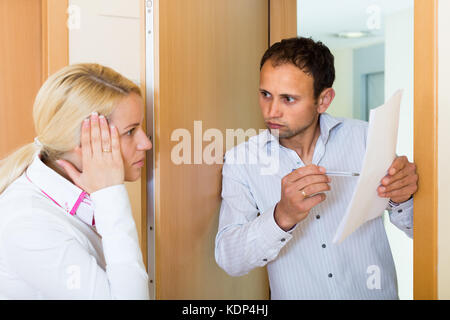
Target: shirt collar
[[61, 191], [326, 123]]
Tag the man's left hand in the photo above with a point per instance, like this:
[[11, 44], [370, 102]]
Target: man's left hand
[[401, 181]]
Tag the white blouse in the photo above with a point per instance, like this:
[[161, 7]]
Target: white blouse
[[57, 242]]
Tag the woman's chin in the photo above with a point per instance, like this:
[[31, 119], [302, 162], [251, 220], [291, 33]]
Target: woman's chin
[[132, 177]]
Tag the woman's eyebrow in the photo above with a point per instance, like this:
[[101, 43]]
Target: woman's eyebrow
[[131, 125]]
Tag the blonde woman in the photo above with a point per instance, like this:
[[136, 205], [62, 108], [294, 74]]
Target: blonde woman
[[66, 227]]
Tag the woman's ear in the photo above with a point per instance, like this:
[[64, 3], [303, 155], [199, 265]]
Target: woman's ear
[[78, 151], [75, 156], [325, 99]]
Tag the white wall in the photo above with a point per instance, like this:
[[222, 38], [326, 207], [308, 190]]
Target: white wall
[[109, 34], [399, 74], [443, 150], [342, 105]]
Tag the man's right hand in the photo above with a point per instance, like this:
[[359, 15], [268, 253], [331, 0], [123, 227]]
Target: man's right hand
[[301, 190]]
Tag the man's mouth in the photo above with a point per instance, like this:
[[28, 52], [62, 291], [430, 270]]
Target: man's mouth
[[273, 125]]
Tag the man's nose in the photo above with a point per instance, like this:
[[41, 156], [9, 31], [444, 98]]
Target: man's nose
[[274, 110]]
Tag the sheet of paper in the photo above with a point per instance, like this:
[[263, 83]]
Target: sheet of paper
[[380, 153]]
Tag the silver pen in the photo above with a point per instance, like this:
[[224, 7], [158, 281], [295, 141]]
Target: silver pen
[[342, 174]]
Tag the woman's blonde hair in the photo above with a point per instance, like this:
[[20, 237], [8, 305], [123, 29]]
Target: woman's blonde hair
[[63, 102]]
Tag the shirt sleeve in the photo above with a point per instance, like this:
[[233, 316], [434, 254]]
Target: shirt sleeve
[[42, 253], [246, 238], [401, 216]]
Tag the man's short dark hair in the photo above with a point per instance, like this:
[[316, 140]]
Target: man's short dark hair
[[313, 58]]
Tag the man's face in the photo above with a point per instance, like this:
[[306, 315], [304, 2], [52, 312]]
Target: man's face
[[287, 99]]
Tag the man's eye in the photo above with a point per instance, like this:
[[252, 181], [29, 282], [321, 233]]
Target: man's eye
[[289, 99], [265, 94]]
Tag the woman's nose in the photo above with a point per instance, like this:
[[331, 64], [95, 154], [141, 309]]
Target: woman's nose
[[147, 143]]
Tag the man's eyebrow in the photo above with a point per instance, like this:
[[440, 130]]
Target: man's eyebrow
[[289, 95], [282, 94]]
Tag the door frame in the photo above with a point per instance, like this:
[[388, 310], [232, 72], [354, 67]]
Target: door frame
[[55, 36], [426, 149], [282, 20]]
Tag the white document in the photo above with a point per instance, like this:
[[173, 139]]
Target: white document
[[380, 153]]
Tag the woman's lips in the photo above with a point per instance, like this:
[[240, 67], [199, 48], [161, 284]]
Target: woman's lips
[[139, 163]]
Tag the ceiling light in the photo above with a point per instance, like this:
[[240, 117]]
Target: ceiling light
[[353, 34]]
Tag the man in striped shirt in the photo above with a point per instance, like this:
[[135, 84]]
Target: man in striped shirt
[[287, 219]]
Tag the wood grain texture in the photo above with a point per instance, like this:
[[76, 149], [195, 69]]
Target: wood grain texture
[[425, 149], [35, 41], [142, 226], [283, 20], [55, 36], [20, 70], [207, 68]]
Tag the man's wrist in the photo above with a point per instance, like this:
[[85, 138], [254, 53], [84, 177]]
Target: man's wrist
[[396, 204], [280, 220]]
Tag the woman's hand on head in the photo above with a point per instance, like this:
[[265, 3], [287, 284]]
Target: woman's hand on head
[[101, 156]]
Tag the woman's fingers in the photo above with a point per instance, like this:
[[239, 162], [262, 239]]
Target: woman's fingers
[[86, 149], [96, 142], [115, 143], [106, 139], [102, 164]]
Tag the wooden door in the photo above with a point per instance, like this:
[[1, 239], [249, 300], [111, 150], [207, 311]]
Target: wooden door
[[33, 36], [207, 55], [20, 71]]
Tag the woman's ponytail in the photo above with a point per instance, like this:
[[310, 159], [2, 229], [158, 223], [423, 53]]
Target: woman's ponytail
[[14, 165]]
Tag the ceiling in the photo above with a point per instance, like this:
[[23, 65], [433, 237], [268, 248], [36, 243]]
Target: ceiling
[[320, 19]]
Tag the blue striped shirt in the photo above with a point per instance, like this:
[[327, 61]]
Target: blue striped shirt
[[303, 263]]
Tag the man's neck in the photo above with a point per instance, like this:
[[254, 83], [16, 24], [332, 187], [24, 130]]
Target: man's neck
[[304, 143]]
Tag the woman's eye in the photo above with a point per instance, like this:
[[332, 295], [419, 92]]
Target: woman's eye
[[130, 132]]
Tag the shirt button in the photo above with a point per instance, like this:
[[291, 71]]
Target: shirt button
[[400, 211], [264, 259], [318, 217], [283, 239], [330, 275], [324, 245]]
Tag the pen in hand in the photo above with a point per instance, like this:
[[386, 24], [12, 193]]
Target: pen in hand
[[342, 174], [339, 174]]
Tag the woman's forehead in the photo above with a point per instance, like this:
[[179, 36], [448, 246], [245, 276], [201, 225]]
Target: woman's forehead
[[129, 110]]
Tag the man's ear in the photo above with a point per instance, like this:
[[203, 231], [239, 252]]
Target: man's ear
[[325, 99]]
